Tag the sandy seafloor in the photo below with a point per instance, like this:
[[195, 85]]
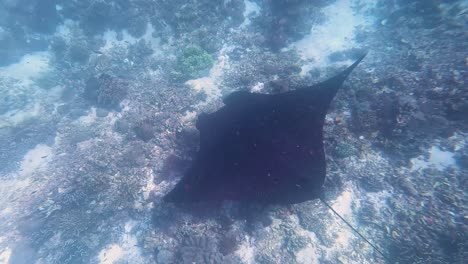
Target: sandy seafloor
[[97, 124]]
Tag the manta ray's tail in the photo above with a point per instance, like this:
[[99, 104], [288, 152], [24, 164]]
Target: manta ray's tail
[[354, 229]]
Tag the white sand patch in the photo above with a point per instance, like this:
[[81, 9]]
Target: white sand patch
[[17, 85], [343, 241], [336, 231], [150, 186], [209, 84], [30, 66], [5, 255], [11, 189], [343, 203], [37, 100], [246, 251], [307, 255], [344, 236], [35, 159], [438, 159], [16, 117], [343, 206], [126, 251], [105, 123], [336, 34], [251, 10], [110, 254]]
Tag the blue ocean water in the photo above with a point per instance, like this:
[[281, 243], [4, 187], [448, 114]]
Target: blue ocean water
[[99, 101]]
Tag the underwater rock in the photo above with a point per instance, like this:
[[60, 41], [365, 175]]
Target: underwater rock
[[144, 130], [105, 91]]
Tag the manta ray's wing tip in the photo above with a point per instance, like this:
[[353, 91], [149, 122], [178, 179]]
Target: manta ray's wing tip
[[346, 72]]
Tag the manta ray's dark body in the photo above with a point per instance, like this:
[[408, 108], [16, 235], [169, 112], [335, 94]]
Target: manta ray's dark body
[[262, 148]]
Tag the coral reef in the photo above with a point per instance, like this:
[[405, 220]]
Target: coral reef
[[144, 130], [111, 166], [105, 91]]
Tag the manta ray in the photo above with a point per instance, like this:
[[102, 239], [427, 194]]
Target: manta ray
[[266, 148]]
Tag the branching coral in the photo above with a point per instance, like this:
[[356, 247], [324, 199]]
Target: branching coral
[[192, 62]]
